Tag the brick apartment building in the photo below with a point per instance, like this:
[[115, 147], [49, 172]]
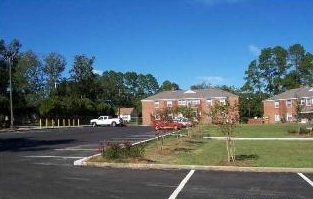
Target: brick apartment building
[[200, 100], [290, 105]]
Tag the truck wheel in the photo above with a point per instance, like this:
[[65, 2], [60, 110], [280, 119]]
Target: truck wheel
[[113, 124], [94, 124]]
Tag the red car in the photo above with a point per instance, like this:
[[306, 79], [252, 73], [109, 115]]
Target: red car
[[166, 125]]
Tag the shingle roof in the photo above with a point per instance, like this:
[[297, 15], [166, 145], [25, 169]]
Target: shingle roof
[[294, 93], [194, 94]]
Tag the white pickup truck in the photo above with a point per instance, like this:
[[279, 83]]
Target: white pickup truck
[[106, 121]]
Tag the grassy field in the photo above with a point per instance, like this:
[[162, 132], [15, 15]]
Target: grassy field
[[248, 153], [194, 150], [257, 130]]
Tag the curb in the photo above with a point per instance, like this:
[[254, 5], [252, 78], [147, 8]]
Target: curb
[[191, 167], [234, 138]]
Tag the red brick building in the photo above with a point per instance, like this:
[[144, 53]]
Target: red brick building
[[290, 105], [200, 100]]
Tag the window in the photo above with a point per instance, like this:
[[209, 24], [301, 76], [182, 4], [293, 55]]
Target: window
[[308, 101], [302, 101], [277, 118], [169, 103], [209, 102], [195, 102], [288, 103], [182, 102], [276, 104], [223, 101], [156, 104], [289, 117]]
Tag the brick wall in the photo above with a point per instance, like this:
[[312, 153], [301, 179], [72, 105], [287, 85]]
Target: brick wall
[[148, 109]]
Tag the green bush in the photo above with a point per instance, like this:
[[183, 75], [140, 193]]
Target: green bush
[[120, 150], [300, 130]]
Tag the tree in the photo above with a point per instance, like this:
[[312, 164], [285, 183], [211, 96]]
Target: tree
[[83, 77], [168, 86], [8, 61], [203, 85], [29, 78], [53, 67], [110, 83], [226, 117], [279, 69]]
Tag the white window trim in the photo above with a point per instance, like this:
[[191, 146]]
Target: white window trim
[[277, 118], [308, 102], [223, 101], [209, 102], [289, 103], [169, 103], [276, 104], [156, 104]]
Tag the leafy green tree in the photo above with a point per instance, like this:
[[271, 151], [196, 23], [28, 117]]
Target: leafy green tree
[[111, 85], [168, 86], [279, 69], [29, 78], [83, 77], [8, 61], [203, 85], [54, 65]]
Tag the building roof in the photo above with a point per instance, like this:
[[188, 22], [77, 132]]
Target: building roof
[[190, 94], [293, 94]]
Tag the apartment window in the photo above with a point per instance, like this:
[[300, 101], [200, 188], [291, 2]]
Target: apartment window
[[156, 104], [223, 101], [276, 104], [182, 102], [169, 103], [289, 117], [302, 101], [288, 103], [195, 102], [277, 118], [209, 102], [308, 101]]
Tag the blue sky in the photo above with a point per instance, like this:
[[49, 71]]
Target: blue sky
[[184, 41]]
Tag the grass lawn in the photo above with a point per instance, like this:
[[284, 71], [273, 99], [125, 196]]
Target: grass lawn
[[257, 130], [248, 153], [195, 150]]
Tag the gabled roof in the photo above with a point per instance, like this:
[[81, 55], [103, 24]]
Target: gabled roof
[[190, 94], [293, 94]]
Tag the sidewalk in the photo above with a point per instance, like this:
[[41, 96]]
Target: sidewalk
[[28, 128], [291, 138]]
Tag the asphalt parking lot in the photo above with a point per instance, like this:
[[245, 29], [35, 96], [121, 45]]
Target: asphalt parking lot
[[39, 164]]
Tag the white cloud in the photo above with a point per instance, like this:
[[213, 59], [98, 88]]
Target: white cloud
[[99, 72], [254, 49]]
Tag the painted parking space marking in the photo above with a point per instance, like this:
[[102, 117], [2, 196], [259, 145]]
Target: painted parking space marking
[[53, 156], [73, 149], [305, 178], [181, 185]]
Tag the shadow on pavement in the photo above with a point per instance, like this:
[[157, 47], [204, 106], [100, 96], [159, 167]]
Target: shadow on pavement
[[28, 144]]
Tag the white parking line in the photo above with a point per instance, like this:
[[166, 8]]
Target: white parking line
[[181, 185], [306, 179], [72, 149], [52, 156]]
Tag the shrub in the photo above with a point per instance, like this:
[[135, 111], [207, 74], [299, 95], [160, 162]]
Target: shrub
[[119, 150]]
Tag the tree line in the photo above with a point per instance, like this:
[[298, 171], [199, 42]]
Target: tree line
[[39, 87]]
